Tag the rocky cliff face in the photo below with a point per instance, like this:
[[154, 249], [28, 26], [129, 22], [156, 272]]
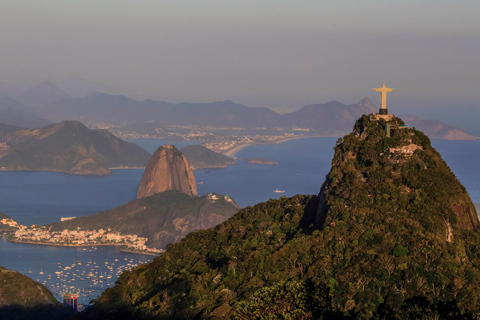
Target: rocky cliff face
[[167, 169]]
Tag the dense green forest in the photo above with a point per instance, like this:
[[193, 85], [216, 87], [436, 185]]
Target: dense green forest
[[391, 235], [21, 298]]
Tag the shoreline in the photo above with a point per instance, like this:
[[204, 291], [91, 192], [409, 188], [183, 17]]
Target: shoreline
[[80, 246], [144, 253], [65, 245], [231, 153]]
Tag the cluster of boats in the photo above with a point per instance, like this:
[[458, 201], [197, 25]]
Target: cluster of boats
[[86, 279]]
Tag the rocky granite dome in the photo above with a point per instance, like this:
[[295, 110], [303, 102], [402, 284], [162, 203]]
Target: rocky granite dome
[[69, 147], [163, 218], [392, 235], [167, 169]]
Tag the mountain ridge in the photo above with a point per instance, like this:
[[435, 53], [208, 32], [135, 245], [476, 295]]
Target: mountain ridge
[[67, 147], [331, 117], [392, 234]]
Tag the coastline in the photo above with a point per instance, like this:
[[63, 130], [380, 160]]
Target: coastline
[[64, 245], [81, 246], [144, 253], [231, 153]]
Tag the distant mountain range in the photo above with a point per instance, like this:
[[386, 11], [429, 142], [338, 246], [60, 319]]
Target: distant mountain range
[[78, 99], [437, 129], [66, 147], [15, 113]]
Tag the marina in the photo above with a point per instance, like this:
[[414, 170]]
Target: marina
[[84, 271]]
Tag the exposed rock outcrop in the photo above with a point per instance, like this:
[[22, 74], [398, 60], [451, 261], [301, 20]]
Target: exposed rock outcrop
[[167, 169]]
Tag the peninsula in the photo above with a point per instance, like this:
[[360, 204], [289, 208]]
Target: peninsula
[[167, 207], [201, 157]]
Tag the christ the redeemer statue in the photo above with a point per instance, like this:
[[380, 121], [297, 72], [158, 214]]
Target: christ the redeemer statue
[[383, 95]]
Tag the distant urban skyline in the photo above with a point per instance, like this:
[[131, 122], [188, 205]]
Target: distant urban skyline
[[277, 54]]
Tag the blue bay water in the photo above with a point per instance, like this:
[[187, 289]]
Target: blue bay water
[[463, 157], [303, 164], [44, 197]]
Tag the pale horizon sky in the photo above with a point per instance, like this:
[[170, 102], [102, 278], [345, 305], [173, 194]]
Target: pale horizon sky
[[266, 53]]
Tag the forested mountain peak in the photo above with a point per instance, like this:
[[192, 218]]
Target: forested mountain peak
[[379, 171], [392, 235]]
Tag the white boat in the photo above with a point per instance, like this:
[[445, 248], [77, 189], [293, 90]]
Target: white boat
[[279, 191]]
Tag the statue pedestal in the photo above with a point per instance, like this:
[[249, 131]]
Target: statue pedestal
[[378, 116], [383, 111]]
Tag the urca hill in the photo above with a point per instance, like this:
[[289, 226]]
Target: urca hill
[[392, 235], [68, 146], [167, 207]]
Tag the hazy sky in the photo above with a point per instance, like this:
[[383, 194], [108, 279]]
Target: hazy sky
[[273, 53]]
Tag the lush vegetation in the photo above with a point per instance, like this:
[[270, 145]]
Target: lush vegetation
[[390, 236], [200, 157], [22, 298]]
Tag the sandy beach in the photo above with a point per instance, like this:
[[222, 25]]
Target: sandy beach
[[233, 151]]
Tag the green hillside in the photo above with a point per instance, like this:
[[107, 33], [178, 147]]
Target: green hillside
[[391, 235], [68, 147], [163, 217], [22, 298], [200, 157]]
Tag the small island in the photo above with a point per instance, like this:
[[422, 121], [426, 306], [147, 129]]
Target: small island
[[261, 161]]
